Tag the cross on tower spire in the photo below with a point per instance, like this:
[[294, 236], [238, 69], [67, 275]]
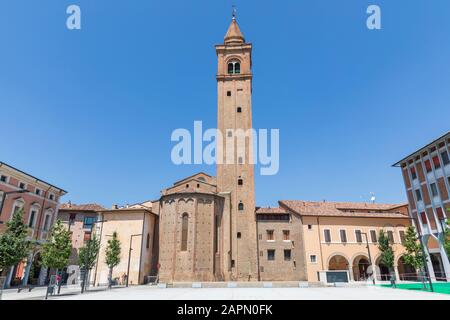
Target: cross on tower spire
[[233, 14]]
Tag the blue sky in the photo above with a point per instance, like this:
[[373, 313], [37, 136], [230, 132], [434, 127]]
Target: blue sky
[[92, 110]]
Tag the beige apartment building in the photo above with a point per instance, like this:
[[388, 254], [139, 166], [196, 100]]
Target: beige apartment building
[[301, 239]]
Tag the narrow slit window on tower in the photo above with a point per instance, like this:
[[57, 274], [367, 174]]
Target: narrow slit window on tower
[[240, 206], [228, 93], [184, 231], [238, 235], [240, 182], [239, 110]]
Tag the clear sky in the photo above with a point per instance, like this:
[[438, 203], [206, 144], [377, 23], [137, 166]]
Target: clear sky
[[92, 110]]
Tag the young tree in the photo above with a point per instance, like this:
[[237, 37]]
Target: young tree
[[112, 255], [56, 251], [414, 252], [87, 256], [447, 238], [387, 253], [14, 246]]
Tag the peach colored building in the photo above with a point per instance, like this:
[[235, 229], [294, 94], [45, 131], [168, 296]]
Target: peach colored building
[[80, 221], [301, 239], [137, 229], [40, 201]]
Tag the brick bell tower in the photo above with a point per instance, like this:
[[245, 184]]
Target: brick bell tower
[[235, 175]]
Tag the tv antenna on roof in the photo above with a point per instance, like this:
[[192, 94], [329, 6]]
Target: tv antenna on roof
[[372, 197]]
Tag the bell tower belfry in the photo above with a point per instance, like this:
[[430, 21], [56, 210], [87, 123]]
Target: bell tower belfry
[[235, 170]]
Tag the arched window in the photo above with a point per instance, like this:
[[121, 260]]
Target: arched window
[[234, 67], [184, 231], [240, 206], [19, 204], [33, 214], [230, 68], [237, 68]]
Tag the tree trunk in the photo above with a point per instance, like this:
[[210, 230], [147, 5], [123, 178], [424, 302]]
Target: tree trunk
[[110, 278]]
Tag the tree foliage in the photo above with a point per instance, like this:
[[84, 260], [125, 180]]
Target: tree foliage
[[113, 251], [14, 245], [56, 251], [414, 251], [387, 253], [87, 255]]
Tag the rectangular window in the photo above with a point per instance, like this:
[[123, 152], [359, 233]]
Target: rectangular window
[[423, 217], [88, 222], [270, 235], [260, 236], [313, 258], [413, 173], [87, 236], [402, 236], [436, 162], [373, 236], [32, 216], [37, 191], [440, 213], [72, 218], [418, 195], [434, 190], [51, 196], [22, 185], [287, 255], [309, 226], [445, 158], [271, 255], [47, 223], [3, 178], [327, 235], [390, 235], [228, 93], [428, 166], [358, 236], [343, 236], [286, 235]]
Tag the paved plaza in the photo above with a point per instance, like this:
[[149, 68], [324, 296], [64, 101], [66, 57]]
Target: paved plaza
[[311, 293]]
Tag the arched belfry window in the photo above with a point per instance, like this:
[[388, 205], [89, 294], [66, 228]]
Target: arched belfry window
[[234, 67], [184, 231], [240, 206]]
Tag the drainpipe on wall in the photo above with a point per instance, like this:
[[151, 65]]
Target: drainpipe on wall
[[320, 242], [257, 247]]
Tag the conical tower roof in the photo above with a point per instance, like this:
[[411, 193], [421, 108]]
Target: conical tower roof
[[234, 34]]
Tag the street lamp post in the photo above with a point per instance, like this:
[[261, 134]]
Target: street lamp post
[[129, 256], [370, 257]]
